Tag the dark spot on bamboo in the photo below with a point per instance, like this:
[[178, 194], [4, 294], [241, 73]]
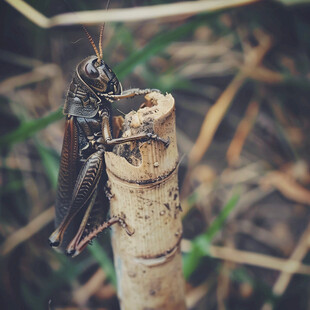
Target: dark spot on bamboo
[[167, 206]]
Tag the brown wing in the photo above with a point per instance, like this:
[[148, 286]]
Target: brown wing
[[68, 171], [76, 182], [100, 209]]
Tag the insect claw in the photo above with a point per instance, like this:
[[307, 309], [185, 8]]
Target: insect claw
[[107, 191], [129, 230], [166, 142], [155, 137], [54, 244], [121, 219], [70, 253]]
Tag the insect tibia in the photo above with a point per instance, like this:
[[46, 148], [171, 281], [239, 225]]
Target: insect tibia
[[129, 93], [78, 248], [55, 238]]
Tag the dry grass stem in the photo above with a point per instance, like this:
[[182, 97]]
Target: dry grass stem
[[247, 200], [29, 12], [200, 50], [263, 235], [253, 59], [195, 294], [242, 132], [298, 254], [27, 231], [36, 75], [249, 173], [213, 119], [82, 294], [263, 74], [289, 266], [287, 186], [125, 15], [223, 285]]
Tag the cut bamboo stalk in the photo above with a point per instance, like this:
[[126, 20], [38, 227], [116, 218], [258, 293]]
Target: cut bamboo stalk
[[144, 188]]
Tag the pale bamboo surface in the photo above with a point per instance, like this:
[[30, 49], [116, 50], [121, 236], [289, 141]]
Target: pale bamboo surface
[[146, 194]]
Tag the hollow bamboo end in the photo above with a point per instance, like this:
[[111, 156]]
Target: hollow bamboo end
[[146, 195]]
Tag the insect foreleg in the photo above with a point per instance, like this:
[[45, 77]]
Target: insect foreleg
[[130, 93], [84, 188]]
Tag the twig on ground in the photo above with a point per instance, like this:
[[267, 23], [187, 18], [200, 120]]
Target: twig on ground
[[27, 231]]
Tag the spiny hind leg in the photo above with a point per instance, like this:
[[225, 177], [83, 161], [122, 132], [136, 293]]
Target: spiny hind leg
[[74, 242], [86, 184], [120, 219]]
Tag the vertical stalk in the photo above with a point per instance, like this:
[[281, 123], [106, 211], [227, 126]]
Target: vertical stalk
[[145, 192]]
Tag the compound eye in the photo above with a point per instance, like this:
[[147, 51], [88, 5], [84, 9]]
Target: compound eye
[[91, 71]]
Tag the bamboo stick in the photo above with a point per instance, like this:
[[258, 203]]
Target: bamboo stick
[[145, 192]]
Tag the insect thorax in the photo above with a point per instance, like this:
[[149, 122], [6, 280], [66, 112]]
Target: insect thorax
[[81, 100]]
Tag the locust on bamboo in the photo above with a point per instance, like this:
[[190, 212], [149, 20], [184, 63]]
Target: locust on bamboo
[[82, 203]]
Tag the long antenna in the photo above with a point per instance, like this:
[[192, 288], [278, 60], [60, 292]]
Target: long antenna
[[87, 33], [91, 42], [100, 41], [101, 33]]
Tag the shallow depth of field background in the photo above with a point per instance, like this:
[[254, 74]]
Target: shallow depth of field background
[[240, 78]]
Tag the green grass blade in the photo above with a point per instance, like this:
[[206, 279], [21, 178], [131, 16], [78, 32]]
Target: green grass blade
[[29, 128], [200, 245], [104, 261], [50, 162], [36, 298], [155, 46], [294, 2]]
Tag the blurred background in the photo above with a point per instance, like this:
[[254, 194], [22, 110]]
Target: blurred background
[[240, 78]]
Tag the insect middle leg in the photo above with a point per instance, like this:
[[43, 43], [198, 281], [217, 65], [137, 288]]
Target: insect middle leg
[[108, 140]]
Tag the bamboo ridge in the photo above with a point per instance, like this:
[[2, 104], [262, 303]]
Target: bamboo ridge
[[144, 188]]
